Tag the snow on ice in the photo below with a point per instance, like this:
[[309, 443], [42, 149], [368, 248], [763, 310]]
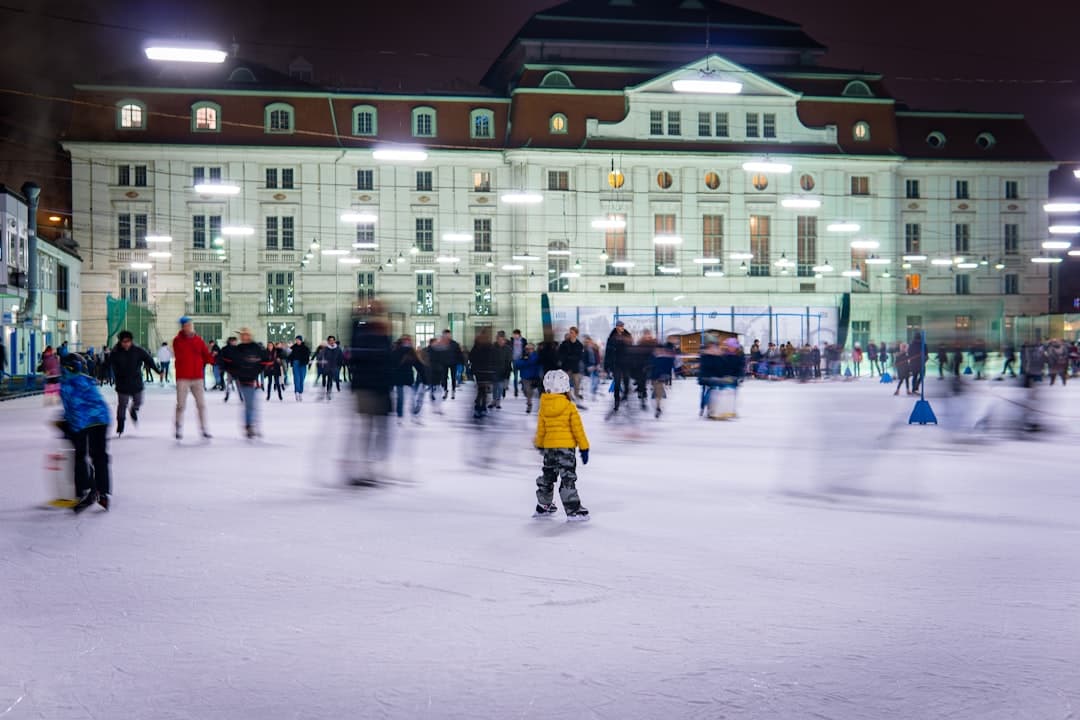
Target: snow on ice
[[817, 557]]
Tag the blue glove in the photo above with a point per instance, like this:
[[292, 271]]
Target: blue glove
[[584, 457]]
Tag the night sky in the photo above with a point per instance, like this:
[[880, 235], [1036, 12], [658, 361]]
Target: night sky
[[953, 55]]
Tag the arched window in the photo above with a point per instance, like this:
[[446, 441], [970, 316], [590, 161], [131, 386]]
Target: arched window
[[242, 74], [424, 122], [857, 88], [558, 124], [861, 131], [279, 118], [365, 120], [205, 117], [556, 79], [482, 124], [131, 115]]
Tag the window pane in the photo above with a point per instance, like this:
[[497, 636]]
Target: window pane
[[615, 245], [123, 174], [271, 233], [365, 179], [769, 125], [482, 234], [704, 124], [425, 234], [140, 176], [482, 293], [287, 178], [140, 231], [912, 238], [481, 181], [722, 124], [807, 245], [674, 122], [656, 122], [712, 241], [271, 178], [123, 230], [751, 125], [759, 245]]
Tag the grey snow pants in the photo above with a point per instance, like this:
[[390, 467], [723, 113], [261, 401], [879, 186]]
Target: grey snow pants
[[559, 461]]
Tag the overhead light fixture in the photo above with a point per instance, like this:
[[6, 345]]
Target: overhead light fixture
[[353, 216], [1062, 207], [141, 265], [767, 166], [350, 260], [1041, 259], [667, 240], [984, 260], [706, 261], [852, 273], [611, 223], [218, 242], [55, 218], [714, 273], [668, 270], [490, 262], [158, 238], [424, 271], [708, 86], [160, 254], [447, 260], [1000, 264], [521, 198], [512, 267], [800, 203], [941, 261], [400, 154], [1064, 229], [185, 52], [216, 189], [308, 255], [865, 244], [365, 246], [525, 257], [1056, 245], [458, 237], [967, 265], [741, 256], [315, 244], [742, 266], [570, 275], [559, 253], [914, 258], [334, 251], [843, 227], [826, 268], [622, 264], [238, 230], [874, 260], [1076, 174], [1071, 253], [783, 262]]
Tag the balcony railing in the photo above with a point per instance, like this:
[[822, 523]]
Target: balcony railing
[[278, 257]]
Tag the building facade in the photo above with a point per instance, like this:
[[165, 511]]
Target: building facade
[[628, 167]]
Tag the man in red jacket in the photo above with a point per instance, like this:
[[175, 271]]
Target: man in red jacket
[[191, 356]]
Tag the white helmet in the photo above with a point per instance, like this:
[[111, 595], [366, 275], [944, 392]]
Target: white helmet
[[556, 381]]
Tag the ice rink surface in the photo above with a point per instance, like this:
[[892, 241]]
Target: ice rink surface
[[815, 558]]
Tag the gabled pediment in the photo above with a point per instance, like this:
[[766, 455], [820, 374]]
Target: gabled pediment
[[714, 68]]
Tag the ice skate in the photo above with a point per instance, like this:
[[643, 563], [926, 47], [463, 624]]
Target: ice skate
[[579, 515], [104, 502], [545, 510], [87, 500]]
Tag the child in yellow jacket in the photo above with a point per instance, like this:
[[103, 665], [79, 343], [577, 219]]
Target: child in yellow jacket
[[558, 433]]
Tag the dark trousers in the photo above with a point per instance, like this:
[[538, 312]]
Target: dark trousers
[[621, 378], [330, 379], [122, 405], [1008, 368], [91, 444], [273, 382]]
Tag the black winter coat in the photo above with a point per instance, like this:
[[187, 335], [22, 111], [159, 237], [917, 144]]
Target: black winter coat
[[300, 354], [246, 361], [571, 355], [403, 361], [370, 358], [505, 361], [127, 366], [484, 358], [617, 351]]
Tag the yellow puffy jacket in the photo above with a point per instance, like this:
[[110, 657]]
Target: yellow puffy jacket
[[559, 424]]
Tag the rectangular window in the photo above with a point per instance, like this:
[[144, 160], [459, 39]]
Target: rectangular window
[[759, 245], [425, 331], [860, 184], [61, 287], [425, 293], [913, 283], [1012, 239], [209, 330], [123, 231], [911, 189], [482, 293], [858, 262], [963, 284], [482, 234], [287, 179], [768, 125], [140, 176], [963, 238], [558, 179], [365, 287], [198, 175], [1012, 190], [807, 245], [963, 322], [214, 174], [1012, 284], [134, 286], [663, 255], [271, 178], [271, 233], [558, 263], [860, 333], [279, 293], [365, 179], [674, 122], [204, 230], [365, 235], [615, 246], [288, 233], [482, 126], [751, 125], [912, 238], [656, 122], [425, 234], [722, 129], [207, 292], [481, 181], [140, 231], [365, 123], [425, 123], [423, 180], [712, 241], [123, 175], [704, 124], [962, 190]]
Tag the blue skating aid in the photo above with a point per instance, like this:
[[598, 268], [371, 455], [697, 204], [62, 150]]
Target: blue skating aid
[[923, 414], [847, 371], [967, 370], [886, 379]]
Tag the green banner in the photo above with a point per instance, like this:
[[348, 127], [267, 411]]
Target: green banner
[[116, 316]]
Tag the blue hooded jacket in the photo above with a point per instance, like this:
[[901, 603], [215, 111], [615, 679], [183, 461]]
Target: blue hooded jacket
[[83, 404]]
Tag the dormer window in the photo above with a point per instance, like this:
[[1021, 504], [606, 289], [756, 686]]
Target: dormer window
[[556, 79], [557, 124], [861, 131], [205, 117], [279, 118], [423, 122], [131, 115], [482, 124], [365, 120], [857, 88]]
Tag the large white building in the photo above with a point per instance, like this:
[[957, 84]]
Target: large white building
[[604, 160]]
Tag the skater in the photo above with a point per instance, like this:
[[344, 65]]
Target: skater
[[571, 359], [517, 347], [192, 356], [272, 371], [299, 358], [219, 372], [331, 361], [164, 359], [617, 362], [245, 363], [528, 367], [1009, 353], [592, 365], [504, 366], [559, 433], [127, 361], [484, 357], [370, 371], [86, 423], [405, 366], [446, 355], [50, 365], [223, 359], [720, 368], [1057, 361], [661, 366], [856, 359]]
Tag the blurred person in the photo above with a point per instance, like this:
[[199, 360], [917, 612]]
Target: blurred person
[[127, 361], [883, 358], [503, 368], [331, 360], [661, 365], [916, 362], [517, 346], [1009, 353], [164, 359], [191, 356], [721, 368], [86, 423], [617, 362], [272, 371], [571, 359], [856, 359], [446, 357], [246, 363], [223, 360], [50, 366], [1057, 360], [872, 357], [284, 353], [902, 365], [559, 433], [300, 359], [528, 368], [484, 358], [371, 373], [640, 355], [815, 361], [404, 364], [593, 364], [978, 359], [318, 364], [942, 358], [219, 373]]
